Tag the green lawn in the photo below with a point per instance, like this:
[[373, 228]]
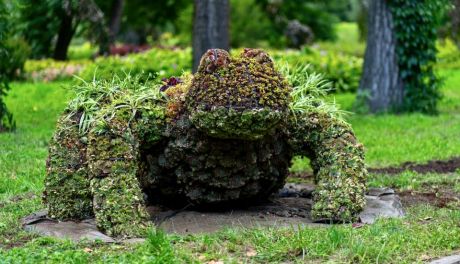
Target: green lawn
[[389, 139]]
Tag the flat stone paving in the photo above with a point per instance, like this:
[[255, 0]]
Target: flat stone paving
[[289, 208], [454, 259]]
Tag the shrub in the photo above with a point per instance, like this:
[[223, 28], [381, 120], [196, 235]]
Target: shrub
[[18, 50], [448, 55], [343, 71], [50, 70], [165, 62]]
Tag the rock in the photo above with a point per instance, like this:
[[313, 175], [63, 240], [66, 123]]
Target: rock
[[454, 259], [381, 202], [281, 211]]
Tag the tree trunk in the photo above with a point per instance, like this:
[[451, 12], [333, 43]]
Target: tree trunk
[[381, 82], [65, 35], [455, 22], [210, 27], [115, 19]]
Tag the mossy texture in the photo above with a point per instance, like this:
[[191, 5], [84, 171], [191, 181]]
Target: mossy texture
[[195, 168], [224, 89], [67, 193], [93, 160], [225, 136], [338, 162]]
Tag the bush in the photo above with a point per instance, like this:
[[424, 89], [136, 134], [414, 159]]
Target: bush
[[165, 62], [50, 70], [448, 55], [18, 51], [343, 71]]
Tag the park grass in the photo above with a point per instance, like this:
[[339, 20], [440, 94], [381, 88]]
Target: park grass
[[426, 232]]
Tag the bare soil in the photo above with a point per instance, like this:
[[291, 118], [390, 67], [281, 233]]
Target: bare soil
[[436, 166], [438, 199]]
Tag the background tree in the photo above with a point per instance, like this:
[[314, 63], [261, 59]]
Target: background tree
[[71, 14], [115, 19], [401, 51], [381, 81], [210, 27], [38, 24], [6, 118]]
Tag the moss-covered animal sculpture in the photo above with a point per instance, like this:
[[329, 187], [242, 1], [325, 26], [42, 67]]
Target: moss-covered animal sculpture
[[225, 135]]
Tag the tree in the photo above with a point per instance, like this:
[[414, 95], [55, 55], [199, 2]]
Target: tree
[[398, 65], [381, 81], [210, 27], [71, 14], [6, 118], [115, 19]]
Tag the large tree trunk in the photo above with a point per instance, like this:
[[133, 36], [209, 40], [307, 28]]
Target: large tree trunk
[[65, 35], [210, 27], [115, 19], [381, 81]]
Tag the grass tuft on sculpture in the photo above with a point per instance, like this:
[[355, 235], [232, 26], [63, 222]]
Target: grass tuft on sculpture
[[225, 135]]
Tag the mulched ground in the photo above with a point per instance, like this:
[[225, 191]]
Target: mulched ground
[[440, 199]]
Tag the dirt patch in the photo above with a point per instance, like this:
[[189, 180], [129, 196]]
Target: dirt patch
[[437, 166], [437, 199]]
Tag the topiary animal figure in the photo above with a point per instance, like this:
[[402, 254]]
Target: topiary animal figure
[[225, 135]]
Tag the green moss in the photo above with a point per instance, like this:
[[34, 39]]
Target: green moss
[[67, 193], [94, 155], [229, 123], [234, 96], [338, 163]]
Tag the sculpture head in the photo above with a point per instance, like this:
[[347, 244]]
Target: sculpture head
[[240, 97]]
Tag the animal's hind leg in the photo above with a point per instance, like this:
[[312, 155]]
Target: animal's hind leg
[[67, 194], [118, 199]]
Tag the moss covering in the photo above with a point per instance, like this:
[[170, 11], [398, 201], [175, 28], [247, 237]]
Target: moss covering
[[338, 162], [93, 160], [225, 136], [226, 91], [67, 193]]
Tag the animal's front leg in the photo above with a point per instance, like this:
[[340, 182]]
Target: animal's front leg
[[118, 202], [338, 162]]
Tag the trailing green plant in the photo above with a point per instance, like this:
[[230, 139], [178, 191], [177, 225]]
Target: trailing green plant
[[416, 23]]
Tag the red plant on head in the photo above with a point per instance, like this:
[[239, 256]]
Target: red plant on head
[[168, 82]]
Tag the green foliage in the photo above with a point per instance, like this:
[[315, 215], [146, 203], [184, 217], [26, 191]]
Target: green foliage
[[314, 13], [342, 70], [99, 134], [308, 90], [18, 51], [38, 24], [416, 24], [425, 232], [7, 68], [240, 96], [165, 62], [448, 55], [249, 31], [51, 70]]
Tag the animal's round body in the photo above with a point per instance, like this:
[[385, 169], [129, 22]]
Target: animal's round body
[[190, 166]]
